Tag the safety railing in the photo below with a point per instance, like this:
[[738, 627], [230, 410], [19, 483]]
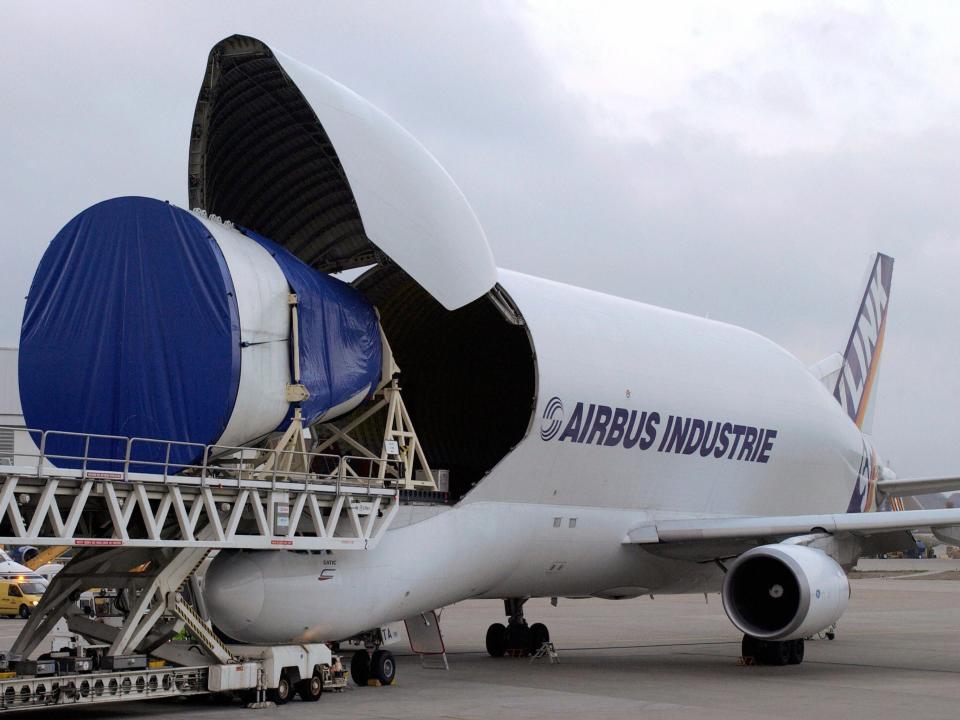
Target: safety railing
[[125, 458]]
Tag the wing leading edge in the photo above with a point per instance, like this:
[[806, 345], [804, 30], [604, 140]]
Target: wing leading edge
[[784, 526]]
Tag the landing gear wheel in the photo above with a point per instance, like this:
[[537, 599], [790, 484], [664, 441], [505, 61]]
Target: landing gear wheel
[[282, 693], [518, 637], [772, 652], [360, 667], [24, 612], [310, 689], [537, 636], [796, 651], [383, 667], [497, 640]]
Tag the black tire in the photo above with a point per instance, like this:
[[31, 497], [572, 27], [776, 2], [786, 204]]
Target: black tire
[[360, 667], [282, 693], [497, 640], [537, 636], [518, 637], [24, 612], [383, 667], [310, 689], [776, 652], [749, 648], [796, 651]]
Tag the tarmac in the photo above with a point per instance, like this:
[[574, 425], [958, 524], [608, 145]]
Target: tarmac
[[896, 655]]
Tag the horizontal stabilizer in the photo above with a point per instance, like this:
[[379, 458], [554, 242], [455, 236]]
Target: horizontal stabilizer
[[907, 487]]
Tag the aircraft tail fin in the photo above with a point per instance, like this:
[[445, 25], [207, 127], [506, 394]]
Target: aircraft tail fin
[[857, 380]]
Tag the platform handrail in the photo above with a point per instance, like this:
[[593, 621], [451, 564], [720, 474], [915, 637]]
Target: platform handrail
[[221, 463]]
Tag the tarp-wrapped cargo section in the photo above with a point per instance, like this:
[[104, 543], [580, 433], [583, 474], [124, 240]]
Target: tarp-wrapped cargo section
[[144, 320], [339, 337]]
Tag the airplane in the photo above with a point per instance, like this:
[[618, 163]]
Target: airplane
[[596, 446], [10, 569]]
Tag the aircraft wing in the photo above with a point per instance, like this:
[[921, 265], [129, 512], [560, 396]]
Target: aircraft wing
[[918, 486], [704, 539], [736, 528]]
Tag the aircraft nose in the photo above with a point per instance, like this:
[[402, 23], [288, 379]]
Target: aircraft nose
[[234, 592]]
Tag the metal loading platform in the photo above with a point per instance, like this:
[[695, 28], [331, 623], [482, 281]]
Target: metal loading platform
[[143, 527]]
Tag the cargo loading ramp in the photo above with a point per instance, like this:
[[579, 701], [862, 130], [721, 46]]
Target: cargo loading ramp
[[234, 498], [145, 533]]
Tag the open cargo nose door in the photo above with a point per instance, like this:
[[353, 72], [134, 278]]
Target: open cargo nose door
[[285, 151], [288, 152]]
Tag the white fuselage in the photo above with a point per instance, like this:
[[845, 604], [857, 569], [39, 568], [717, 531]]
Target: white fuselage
[[551, 517]]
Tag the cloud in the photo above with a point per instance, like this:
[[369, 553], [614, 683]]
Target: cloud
[[740, 166]]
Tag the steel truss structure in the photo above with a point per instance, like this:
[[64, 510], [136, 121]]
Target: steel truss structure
[[248, 498]]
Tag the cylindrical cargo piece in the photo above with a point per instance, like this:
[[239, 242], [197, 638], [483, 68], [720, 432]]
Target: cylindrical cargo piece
[[145, 320]]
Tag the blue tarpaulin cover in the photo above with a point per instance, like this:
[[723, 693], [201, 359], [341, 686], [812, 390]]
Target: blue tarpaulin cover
[[131, 328], [339, 334]]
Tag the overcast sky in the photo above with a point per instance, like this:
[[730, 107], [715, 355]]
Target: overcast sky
[[737, 160]]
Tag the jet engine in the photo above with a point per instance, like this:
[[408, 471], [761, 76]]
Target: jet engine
[[784, 592]]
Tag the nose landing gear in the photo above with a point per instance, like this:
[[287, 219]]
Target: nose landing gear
[[516, 637]]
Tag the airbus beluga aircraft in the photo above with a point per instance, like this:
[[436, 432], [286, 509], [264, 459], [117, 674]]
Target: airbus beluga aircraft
[[596, 446]]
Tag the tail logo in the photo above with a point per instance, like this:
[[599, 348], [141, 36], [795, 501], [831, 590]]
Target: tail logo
[[862, 356], [552, 419]]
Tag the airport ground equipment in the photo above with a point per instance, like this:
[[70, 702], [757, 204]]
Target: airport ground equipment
[[144, 534]]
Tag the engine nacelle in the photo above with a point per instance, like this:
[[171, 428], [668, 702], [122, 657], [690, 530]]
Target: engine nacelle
[[783, 592]]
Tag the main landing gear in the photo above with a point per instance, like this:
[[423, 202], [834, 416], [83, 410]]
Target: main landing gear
[[516, 637], [379, 665], [772, 652]]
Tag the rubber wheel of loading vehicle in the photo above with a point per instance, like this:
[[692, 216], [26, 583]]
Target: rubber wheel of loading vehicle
[[383, 667], [537, 636], [310, 689], [282, 693], [24, 612], [796, 652], [360, 667], [497, 640]]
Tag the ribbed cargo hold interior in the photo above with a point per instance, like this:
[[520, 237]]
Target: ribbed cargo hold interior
[[266, 163], [468, 375]]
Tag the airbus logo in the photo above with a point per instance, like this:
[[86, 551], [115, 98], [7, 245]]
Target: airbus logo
[[552, 419], [595, 424]]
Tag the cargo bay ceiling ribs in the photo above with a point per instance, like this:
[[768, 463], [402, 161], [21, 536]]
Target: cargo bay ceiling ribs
[[260, 158], [284, 150]]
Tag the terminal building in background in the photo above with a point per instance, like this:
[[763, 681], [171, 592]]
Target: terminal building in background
[[11, 415]]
